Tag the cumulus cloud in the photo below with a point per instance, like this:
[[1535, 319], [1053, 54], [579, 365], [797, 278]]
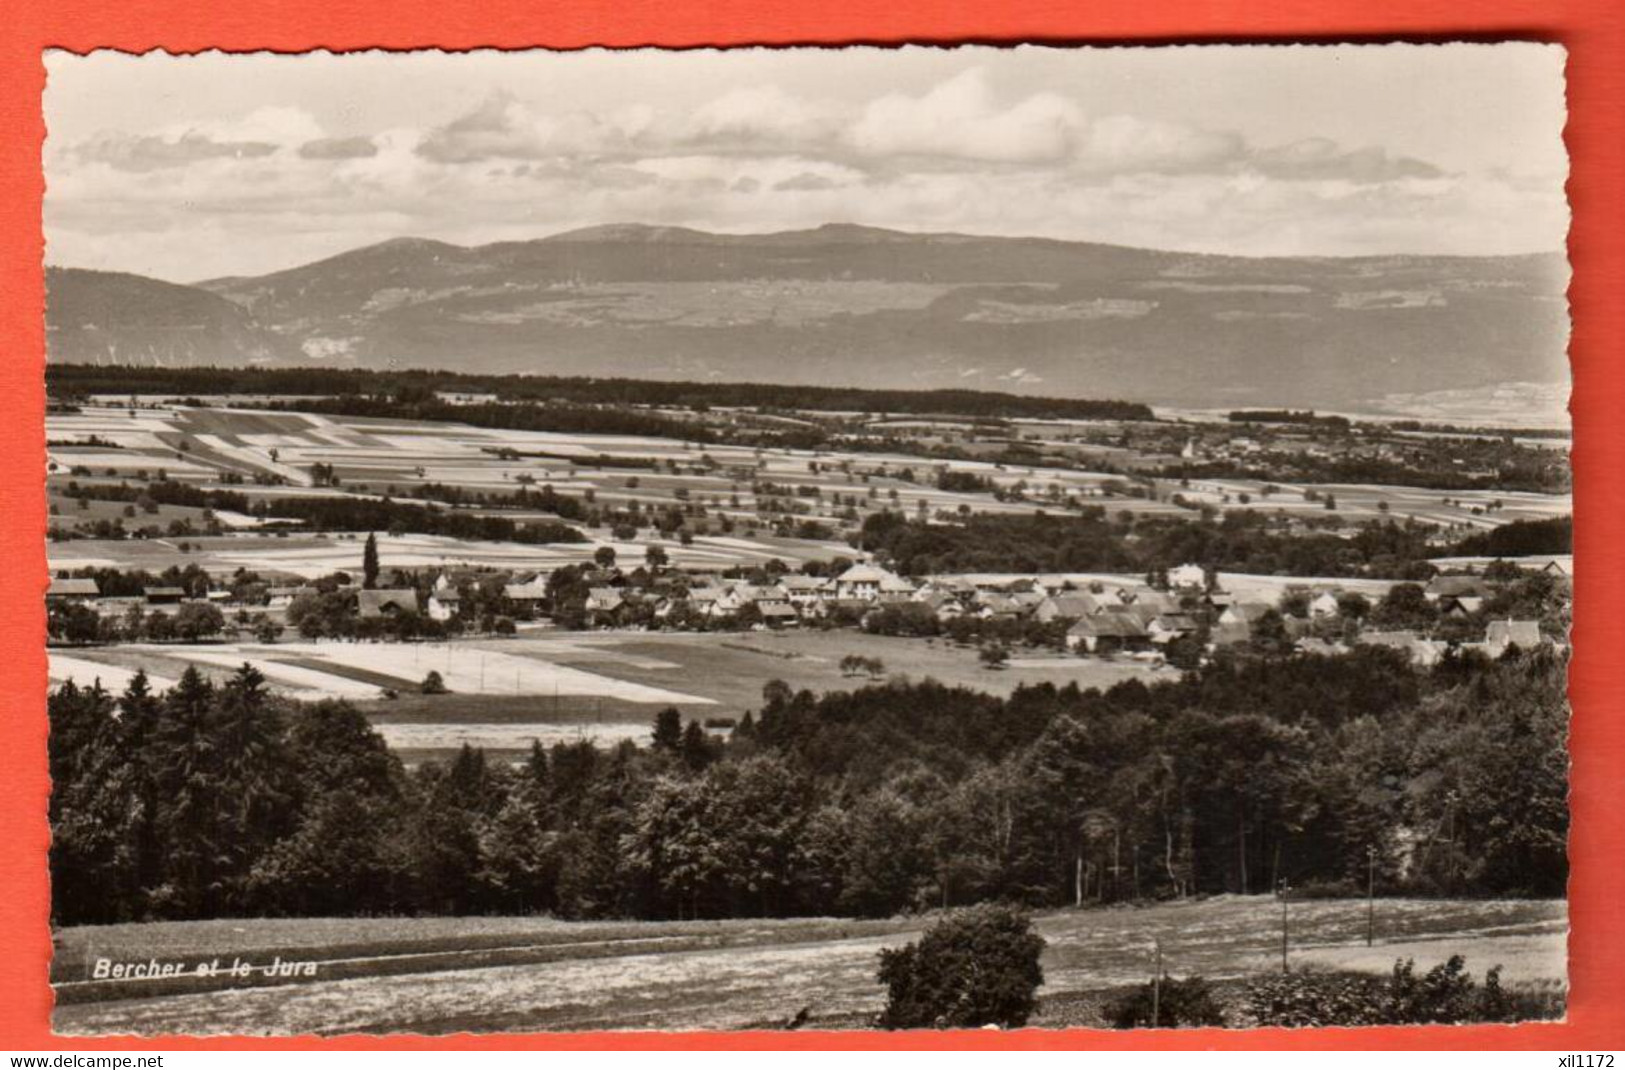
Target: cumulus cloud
[[1120, 144], [758, 119], [959, 119], [504, 128]]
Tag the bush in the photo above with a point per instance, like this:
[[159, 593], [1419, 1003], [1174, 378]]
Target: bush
[[973, 968], [1446, 995], [1178, 1004], [433, 684]]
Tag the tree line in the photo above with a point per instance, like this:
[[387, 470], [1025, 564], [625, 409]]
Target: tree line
[[1237, 541], [213, 800], [84, 379]]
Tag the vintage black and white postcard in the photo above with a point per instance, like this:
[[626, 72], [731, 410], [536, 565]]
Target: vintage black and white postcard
[[809, 538]]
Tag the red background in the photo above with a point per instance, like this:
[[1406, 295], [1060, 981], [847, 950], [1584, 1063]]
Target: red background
[[1592, 30]]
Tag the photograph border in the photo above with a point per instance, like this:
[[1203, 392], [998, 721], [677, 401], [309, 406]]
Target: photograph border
[[1593, 31]]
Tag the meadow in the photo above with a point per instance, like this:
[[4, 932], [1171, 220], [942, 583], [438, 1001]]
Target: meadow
[[440, 975]]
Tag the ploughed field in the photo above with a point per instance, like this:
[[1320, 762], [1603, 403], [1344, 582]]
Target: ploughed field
[[441, 975]]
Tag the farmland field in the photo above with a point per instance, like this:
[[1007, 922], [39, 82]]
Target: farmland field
[[440, 975], [562, 686], [209, 447]]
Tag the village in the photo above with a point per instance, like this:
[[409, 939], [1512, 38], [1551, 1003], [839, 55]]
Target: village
[[1183, 615]]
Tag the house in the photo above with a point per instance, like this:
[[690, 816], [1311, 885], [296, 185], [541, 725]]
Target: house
[[1499, 635], [602, 600], [392, 602], [1068, 605], [778, 614], [1314, 645], [1187, 577], [704, 599], [1166, 627], [72, 590], [867, 582], [1028, 601], [443, 604], [1459, 606], [1107, 632], [1230, 633], [1323, 604], [802, 591], [164, 596], [992, 605]]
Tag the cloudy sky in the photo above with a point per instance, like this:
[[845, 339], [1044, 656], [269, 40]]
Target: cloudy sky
[[192, 167]]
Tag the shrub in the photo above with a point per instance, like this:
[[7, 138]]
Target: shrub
[[1446, 994], [1179, 1003], [973, 968], [433, 684]]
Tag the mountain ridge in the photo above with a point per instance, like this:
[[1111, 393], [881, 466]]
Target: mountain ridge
[[868, 306]]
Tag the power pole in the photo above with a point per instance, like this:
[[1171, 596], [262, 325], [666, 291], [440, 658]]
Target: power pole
[[1370, 895], [1285, 889]]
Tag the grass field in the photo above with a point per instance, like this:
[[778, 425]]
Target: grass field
[[439, 975]]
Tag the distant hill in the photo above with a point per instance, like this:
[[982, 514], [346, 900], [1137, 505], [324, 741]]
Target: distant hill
[[105, 317], [862, 306]]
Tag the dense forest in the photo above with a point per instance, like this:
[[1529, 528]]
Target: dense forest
[[220, 799], [69, 380]]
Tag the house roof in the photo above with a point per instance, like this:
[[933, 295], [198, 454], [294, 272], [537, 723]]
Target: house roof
[[1109, 625], [776, 609], [164, 592], [67, 587], [373, 603], [1075, 604], [862, 574]]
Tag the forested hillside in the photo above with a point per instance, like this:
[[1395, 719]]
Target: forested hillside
[[209, 801]]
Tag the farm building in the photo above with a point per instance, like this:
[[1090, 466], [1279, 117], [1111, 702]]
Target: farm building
[[72, 590], [374, 605]]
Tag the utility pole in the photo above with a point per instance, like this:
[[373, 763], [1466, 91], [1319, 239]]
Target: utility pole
[[1284, 891], [1370, 896]]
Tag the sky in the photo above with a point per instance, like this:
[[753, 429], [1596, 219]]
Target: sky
[[193, 167]]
